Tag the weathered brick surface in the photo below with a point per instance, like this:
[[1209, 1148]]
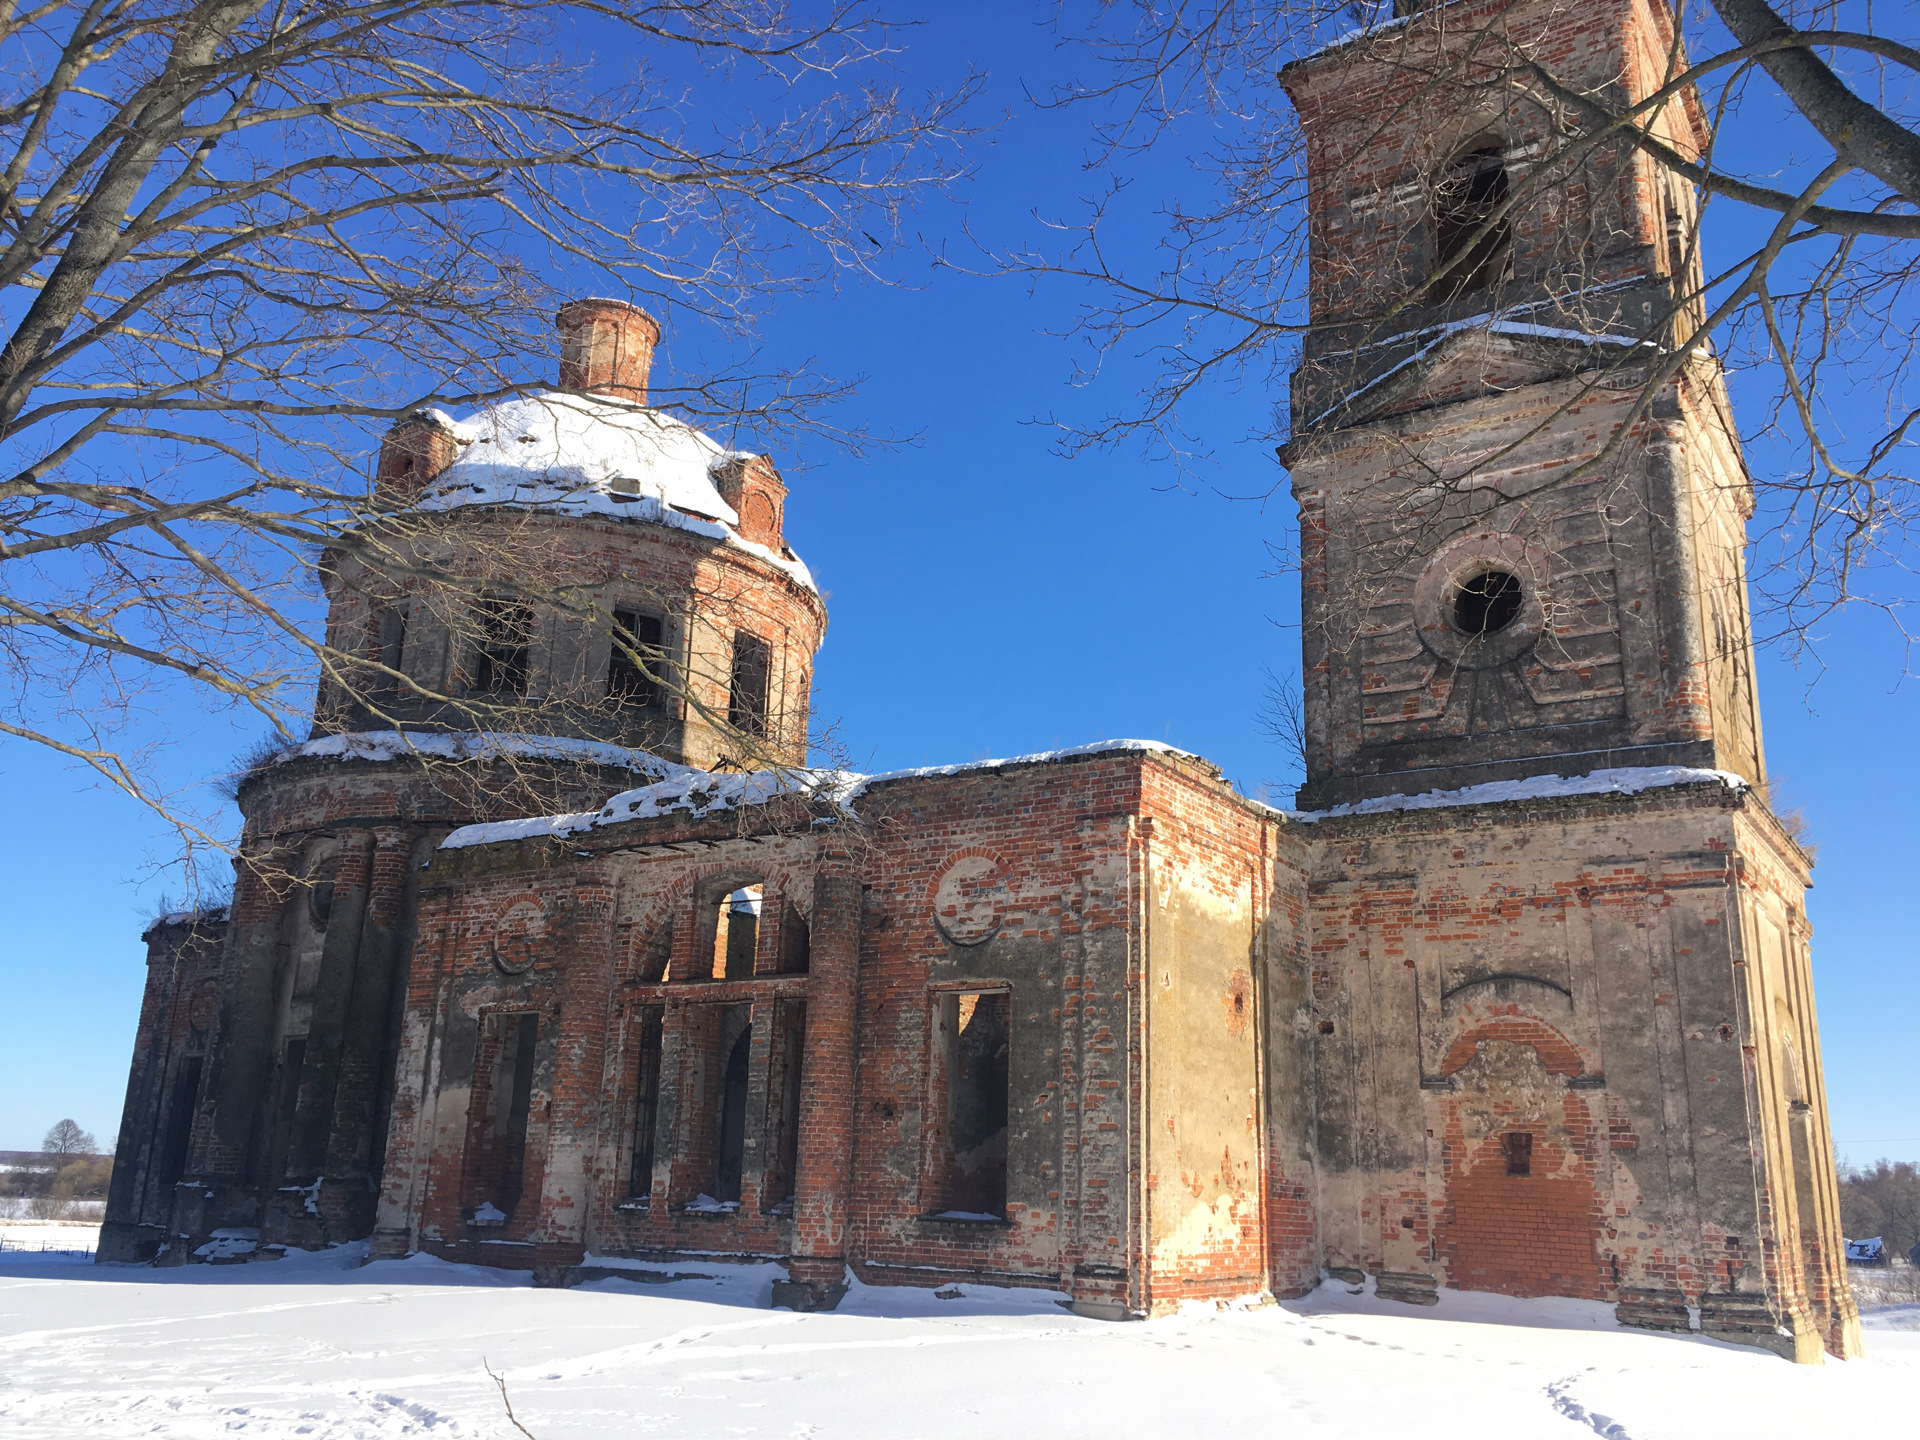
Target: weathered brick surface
[[1549, 1046]]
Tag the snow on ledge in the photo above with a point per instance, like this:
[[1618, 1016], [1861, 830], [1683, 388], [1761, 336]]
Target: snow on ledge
[[703, 792], [1044, 757], [200, 915], [473, 745], [1629, 780], [1490, 324]]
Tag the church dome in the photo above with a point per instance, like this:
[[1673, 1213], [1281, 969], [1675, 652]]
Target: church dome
[[593, 447], [584, 452], [565, 454]]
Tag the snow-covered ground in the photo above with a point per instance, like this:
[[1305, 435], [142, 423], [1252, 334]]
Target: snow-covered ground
[[319, 1346]]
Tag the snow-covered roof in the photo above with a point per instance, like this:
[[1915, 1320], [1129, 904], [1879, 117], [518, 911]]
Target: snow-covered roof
[[590, 455], [704, 792], [699, 793], [1628, 780]]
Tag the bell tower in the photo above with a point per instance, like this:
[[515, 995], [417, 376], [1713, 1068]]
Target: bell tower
[[1522, 508]]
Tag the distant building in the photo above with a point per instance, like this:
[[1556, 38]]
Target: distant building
[[1867, 1252], [1519, 1001]]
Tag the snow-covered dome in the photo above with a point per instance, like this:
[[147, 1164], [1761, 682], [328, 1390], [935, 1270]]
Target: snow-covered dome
[[548, 444], [576, 454]]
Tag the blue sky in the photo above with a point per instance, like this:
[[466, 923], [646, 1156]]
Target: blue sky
[[990, 598]]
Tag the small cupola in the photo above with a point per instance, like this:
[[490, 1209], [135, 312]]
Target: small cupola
[[751, 485], [607, 346], [417, 448]]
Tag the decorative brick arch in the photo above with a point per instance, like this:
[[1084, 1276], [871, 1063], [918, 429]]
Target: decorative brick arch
[[1521, 1214], [1556, 1051]]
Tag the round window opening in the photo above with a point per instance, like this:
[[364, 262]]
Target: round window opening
[[1487, 604]]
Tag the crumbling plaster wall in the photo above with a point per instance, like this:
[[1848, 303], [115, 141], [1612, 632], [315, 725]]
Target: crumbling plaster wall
[[1631, 648], [1570, 968], [565, 930], [1015, 879], [1206, 863]]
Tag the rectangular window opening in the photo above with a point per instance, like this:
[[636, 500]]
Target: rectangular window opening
[[1517, 1146], [390, 649], [747, 686], [646, 1110], [972, 1035], [504, 647], [186, 1094], [735, 1053], [293, 1060], [634, 672], [499, 1150], [783, 1106]]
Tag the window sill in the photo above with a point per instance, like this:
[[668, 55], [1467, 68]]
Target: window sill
[[965, 1221], [632, 1203]]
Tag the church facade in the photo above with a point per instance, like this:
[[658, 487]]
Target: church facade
[[1518, 1000]]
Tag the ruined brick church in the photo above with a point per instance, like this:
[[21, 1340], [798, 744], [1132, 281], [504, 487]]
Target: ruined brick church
[[1518, 1000]]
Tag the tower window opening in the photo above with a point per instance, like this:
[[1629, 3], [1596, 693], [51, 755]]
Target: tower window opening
[[634, 672], [1469, 252], [390, 648], [504, 647], [1487, 604], [1517, 1146], [747, 686]]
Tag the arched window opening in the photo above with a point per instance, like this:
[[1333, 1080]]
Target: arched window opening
[[390, 649], [1472, 238], [736, 934]]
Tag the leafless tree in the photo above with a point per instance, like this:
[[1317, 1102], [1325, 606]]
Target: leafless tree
[[1794, 257], [67, 1138], [241, 238]]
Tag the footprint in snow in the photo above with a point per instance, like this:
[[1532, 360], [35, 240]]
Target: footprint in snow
[[1604, 1426]]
